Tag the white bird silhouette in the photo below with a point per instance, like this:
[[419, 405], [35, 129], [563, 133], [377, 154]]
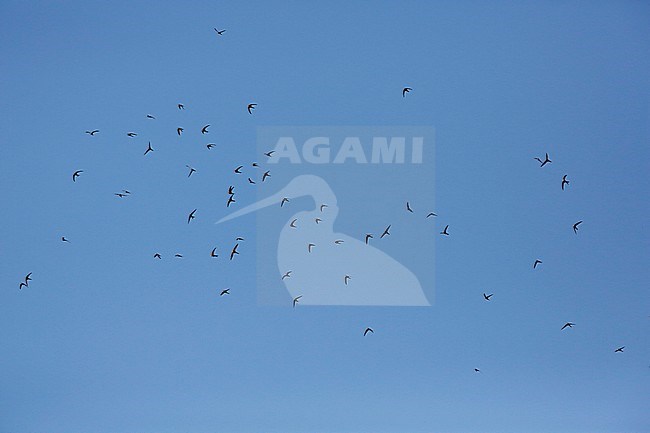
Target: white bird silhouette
[[380, 279]]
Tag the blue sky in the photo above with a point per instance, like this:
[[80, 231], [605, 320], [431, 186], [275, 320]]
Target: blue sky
[[107, 339]]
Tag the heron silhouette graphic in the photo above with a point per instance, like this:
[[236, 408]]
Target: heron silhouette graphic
[[319, 259]]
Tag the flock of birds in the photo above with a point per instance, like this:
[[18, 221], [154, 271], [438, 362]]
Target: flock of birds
[[77, 174]]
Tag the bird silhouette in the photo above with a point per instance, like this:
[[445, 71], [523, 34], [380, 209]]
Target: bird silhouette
[[20, 287], [286, 275], [575, 227], [368, 330], [537, 262], [238, 169], [120, 195], [284, 200], [477, 370], [487, 297], [190, 217], [346, 279], [251, 107], [234, 251], [214, 253], [28, 278], [293, 223], [157, 256], [149, 116], [204, 130], [430, 214], [219, 32], [265, 175], [408, 207], [567, 325], [386, 232], [620, 349], [231, 190], [295, 300], [251, 181], [225, 292], [368, 237], [93, 132], [269, 154], [405, 90], [230, 200], [445, 232], [149, 149], [210, 145], [564, 181], [543, 163], [179, 130], [180, 256], [310, 246], [76, 174], [323, 206], [181, 107], [192, 170], [131, 134]]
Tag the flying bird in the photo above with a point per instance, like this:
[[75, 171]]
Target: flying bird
[[120, 195], [269, 153], [405, 90], [192, 170], [430, 214], [214, 253], [239, 239], [620, 349], [234, 251], [487, 297], [265, 175], [322, 207], [63, 239], [286, 275], [149, 116], [93, 132], [346, 279], [238, 169], [293, 223], [368, 330], [181, 107], [340, 241], [225, 292], [28, 278], [180, 256], [231, 190], [157, 256], [386, 232], [251, 107], [179, 130], [190, 217], [284, 200], [204, 130], [408, 207], [477, 370], [20, 287], [537, 262], [567, 325], [310, 246], [543, 163], [149, 149], [564, 181], [445, 232], [251, 181], [318, 220], [210, 145], [76, 174], [368, 236], [131, 134], [230, 200], [219, 32], [295, 300], [575, 227]]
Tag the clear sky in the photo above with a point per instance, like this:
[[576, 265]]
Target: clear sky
[[108, 339]]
